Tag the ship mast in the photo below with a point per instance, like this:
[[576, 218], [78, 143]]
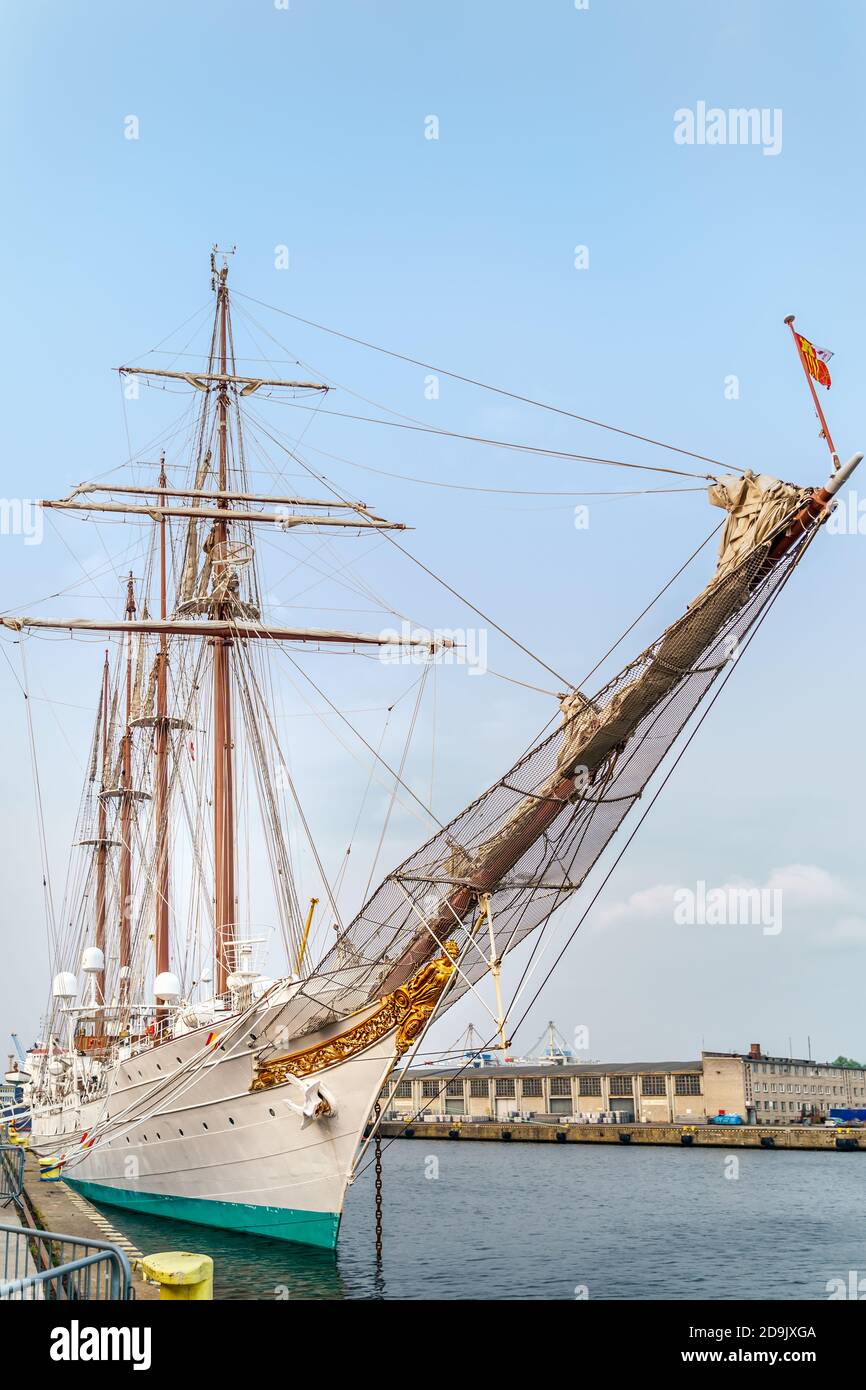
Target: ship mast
[[223, 761], [161, 938], [102, 840], [126, 815], [211, 612]]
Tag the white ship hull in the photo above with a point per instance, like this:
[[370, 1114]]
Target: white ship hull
[[219, 1153]]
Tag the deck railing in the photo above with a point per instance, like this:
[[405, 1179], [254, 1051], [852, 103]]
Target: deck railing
[[11, 1173], [47, 1265]]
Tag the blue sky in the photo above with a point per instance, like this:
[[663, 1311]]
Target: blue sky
[[265, 127]]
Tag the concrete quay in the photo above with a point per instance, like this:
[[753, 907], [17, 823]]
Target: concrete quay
[[678, 1136]]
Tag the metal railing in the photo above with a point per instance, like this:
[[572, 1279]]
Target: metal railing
[[11, 1173], [41, 1265]]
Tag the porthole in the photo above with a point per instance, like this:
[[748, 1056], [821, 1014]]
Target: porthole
[[231, 1121], [180, 1132], [271, 1112], [158, 1135], [203, 1124]]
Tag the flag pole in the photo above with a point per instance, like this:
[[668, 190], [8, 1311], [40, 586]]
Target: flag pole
[[825, 429]]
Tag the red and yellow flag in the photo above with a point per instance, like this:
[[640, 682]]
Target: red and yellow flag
[[815, 360]]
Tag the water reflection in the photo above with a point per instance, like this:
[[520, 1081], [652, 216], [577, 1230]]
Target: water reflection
[[245, 1267], [502, 1221]]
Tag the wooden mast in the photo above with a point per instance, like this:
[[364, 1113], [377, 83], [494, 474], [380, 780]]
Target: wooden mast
[[223, 770], [124, 952], [102, 839], [161, 939]]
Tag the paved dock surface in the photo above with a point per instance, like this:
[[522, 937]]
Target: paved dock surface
[[57, 1208], [22, 1266], [680, 1136]]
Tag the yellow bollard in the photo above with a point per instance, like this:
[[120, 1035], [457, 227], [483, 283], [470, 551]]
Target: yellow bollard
[[49, 1170], [180, 1275]]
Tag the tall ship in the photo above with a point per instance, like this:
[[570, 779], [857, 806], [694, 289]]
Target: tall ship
[[173, 1076]]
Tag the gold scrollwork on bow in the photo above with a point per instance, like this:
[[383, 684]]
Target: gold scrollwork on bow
[[407, 1010]]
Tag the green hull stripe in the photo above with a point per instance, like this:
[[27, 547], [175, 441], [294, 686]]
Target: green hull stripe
[[318, 1228]]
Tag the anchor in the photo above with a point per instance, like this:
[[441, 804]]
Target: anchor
[[318, 1103]]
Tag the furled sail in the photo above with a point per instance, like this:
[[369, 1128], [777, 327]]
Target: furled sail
[[756, 504], [137, 705], [93, 765], [110, 740], [190, 557], [532, 838]]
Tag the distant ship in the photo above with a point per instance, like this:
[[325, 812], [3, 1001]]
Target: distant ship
[[176, 1079]]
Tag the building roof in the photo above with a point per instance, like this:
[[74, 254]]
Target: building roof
[[780, 1061], [496, 1069]]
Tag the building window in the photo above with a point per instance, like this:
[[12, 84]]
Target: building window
[[505, 1086], [687, 1084], [454, 1088], [532, 1086], [560, 1085], [479, 1088], [429, 1089], [621, 1086], [652, 1085], [590, 1085], [404, 1088]]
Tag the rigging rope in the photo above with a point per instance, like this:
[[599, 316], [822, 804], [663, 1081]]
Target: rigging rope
[[338, 882], [370, 749], [398, 780], [659, 789], [684, 566], [507, 491], [290, 781], [409, 556], [796, 560], [483, 385], [423, 425], [496, 443], [50, 921]]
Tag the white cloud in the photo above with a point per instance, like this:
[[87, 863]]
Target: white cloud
[[647, 903], [845, 933], [802, 886], [806, 885]]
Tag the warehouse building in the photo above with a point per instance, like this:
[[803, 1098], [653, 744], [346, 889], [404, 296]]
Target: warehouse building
[[659, 1091], [779, 1090], [760, 1088]]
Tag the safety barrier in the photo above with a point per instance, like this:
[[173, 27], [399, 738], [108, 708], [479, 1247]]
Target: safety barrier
[[47, 1265], [11, 1173]]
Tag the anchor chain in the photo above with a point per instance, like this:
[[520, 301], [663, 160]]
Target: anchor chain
[[378, 1171]]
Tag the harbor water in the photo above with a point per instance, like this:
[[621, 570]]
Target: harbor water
[[494, 1221]]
